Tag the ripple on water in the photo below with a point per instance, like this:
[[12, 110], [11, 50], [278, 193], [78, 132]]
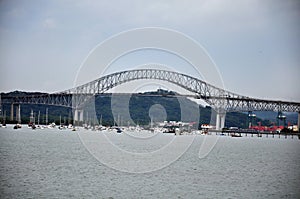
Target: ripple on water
[[55, 164]]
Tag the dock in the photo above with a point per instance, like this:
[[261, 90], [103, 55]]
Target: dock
[[250, 133]]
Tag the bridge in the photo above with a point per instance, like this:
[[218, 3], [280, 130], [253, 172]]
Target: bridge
[[219, 99]]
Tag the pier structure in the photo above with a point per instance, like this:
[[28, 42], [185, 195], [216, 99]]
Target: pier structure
[[220, 119], [18, 112], [251, 133], [12, 112], [78, 115]]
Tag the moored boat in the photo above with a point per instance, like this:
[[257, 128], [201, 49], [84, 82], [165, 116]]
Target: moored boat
[[236, 135], [119, 130], [17, 126]]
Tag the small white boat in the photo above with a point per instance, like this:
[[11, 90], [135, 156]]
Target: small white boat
[[17, 126], [236, 135]]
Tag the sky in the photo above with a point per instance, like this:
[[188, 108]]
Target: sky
[[254, 44]]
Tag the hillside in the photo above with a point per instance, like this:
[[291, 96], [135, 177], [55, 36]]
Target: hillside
[[270, 115], [138, 107]]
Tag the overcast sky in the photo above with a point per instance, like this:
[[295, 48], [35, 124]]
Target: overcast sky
[[255, 44]]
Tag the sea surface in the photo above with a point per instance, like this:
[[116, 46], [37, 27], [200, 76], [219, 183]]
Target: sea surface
[[54, 163]]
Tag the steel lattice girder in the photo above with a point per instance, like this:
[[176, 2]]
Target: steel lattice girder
[[218, 98]]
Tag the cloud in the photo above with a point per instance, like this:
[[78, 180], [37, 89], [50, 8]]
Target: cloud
[[245, 38]]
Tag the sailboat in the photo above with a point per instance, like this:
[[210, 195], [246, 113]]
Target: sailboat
[[33, 122], [61, 127], [38, 126], [4, 120]]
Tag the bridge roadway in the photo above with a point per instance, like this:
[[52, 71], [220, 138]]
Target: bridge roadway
[[219, 99]]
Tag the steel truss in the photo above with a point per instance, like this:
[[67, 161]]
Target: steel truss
[[218, 98], [64, 100]]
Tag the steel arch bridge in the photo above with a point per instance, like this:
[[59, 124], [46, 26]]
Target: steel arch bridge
[[214, 96], [221, 100]]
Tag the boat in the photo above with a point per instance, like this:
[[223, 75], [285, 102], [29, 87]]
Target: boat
[[3, 125], [52, 125], [3, 121], [61, 127], [119, 130], [30, 125], [169, 130], [17, 126], [236, 135]]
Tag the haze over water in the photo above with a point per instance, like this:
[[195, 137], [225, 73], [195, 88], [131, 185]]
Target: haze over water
[[53, 163]]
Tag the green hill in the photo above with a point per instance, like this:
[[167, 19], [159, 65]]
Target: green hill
[[139, 108]]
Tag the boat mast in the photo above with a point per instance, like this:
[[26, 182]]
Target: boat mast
[[34, 118], [4, 118], [46, 116], [31, 117], [151, 123], [39, 118]]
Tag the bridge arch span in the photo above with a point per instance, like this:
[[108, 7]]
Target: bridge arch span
[[202, 90], [219, 99]]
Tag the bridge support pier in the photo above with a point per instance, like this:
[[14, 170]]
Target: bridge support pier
[[78, 115], [222, 116], [220, 120], [12, 112], [18, 113], [81, 115], [75, 116]]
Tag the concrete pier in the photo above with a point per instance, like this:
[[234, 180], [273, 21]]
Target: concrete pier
[[75, 116], [12, 112], [18, 113], [222, 116], [220, 120], [81, 115], [78, 115]]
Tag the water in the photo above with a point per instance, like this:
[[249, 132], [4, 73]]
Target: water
[[51, 163]]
